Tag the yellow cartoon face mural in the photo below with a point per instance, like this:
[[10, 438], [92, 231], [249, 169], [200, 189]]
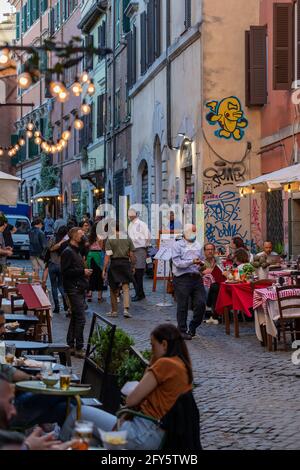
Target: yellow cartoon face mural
[[229, 115]]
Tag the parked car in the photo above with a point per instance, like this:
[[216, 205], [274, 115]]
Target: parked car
[[21, 236]]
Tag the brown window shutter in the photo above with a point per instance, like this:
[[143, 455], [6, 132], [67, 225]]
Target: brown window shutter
[[143, 43], [258, 66], [157, 28], [283, 46], [247, 68]]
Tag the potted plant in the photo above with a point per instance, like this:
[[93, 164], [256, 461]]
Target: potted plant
[[100, 342], [261, 264], [248, 270], [132, 368]]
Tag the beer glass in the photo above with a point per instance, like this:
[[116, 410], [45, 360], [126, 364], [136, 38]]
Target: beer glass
[[83, 433], [10, 351], [65, 378]]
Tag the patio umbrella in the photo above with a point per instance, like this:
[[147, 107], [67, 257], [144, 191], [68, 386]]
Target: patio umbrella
[[288, 176], [9, 186]]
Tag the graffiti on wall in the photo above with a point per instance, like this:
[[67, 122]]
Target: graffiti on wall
[[223, 173], [222, 218], [228, 114]]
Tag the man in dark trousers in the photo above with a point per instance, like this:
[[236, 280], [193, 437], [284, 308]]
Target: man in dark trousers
[[75, 282], [188, 281]]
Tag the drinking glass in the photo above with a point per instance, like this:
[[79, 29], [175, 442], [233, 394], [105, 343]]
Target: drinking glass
[[10, 351], [83, 432], [47, 368], [65, 378]]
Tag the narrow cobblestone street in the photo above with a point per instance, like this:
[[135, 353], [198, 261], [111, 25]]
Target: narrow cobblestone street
[[248, 398]]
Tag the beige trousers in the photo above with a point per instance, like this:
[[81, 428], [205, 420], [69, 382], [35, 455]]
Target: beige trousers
[[114, 297]]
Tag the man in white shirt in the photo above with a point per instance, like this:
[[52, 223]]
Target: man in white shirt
[[268, 250], [139, 233]]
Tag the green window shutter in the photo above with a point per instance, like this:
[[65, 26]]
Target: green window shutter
[[58, 15], [66, 9], [22, 151], [126, 20], [33, 148], [29, 13], [18, 32], [24, 18], [44, 5]]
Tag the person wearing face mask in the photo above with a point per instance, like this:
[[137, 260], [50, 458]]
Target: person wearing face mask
[[188, 281], [75, 282]]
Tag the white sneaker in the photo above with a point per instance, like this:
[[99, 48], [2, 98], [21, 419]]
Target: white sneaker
[[112, 314], [215, 321], [127, 314], [210, 321]]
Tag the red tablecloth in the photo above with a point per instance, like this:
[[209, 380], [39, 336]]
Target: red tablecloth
[[236, 297]]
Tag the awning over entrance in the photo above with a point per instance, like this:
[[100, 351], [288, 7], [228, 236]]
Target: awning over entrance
[[53, 192], [275, 179], [9, 189]]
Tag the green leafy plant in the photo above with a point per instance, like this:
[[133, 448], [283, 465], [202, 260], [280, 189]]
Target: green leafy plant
[[248, 269], [131, 369], [121, 344], [279, 248]]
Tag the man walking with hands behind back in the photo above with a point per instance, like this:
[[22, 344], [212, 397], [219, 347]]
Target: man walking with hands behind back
[[139, 233], [188, 281], [75, 282]]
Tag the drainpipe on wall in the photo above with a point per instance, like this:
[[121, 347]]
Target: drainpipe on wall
[[168, 72], [113, 103]]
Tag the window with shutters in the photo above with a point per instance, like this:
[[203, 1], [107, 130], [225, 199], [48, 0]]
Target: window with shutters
[[100, 115], [256, 66], [283, 46], [144, 60], [43, 6], [151, 32], [101, 37], [18, 25], [131, 57], [88, 58], [24, 18], [51, 21], [188, 14], [126, 20], [117, 22]]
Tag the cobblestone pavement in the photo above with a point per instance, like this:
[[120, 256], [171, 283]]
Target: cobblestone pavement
[[248, 398]]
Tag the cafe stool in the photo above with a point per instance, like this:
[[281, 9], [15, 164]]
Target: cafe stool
[[63, 350]]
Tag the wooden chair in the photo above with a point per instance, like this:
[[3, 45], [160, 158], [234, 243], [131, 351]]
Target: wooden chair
[[288, 323], [295, 278], [261, 284]]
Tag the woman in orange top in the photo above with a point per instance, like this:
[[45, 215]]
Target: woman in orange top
[[168, 376]]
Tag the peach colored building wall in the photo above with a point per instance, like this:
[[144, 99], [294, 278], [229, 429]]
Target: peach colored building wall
[[226, 157]]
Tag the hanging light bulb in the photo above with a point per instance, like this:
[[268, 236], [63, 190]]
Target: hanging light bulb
[[4, 56], [269, 190], [76, 88], [29, 134], [22, 142], [53, 148], [44, 145], [66, 135], [63, 143], [78, 124], [56, 87], [85, 108], [1, 152], [253, 190], [84, 77], [289, 190], [37, 134], [47, 149], [17, 147], [38, 141], [91, 88], [59, 147], [63, 96], [30, 126], [24, 80]]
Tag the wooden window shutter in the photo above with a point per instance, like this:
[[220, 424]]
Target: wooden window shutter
[[18, 24], [157, 28], [129, 59], [134, 54], [143, 43], [151, 32], [188, 14], [283, 46], [256, 66]]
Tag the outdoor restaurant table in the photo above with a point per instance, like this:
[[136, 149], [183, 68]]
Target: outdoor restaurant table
[[6, 304], [237, 297], [17, 333], [24, 320], [266, 312], [36, 386], [27, 346]]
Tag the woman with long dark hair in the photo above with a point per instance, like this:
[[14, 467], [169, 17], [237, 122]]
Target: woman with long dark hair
[[168, 376], [95, 260]]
